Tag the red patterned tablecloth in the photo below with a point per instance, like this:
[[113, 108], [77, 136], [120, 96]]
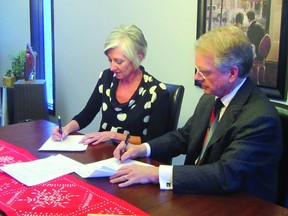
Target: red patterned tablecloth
[[65, 195]]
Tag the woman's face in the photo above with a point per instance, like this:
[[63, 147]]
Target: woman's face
[[120, 64]]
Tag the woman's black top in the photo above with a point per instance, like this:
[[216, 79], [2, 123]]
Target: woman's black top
[[144, 115]]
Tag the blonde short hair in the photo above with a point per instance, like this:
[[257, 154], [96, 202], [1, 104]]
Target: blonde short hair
[[131, 41], [230, 47]]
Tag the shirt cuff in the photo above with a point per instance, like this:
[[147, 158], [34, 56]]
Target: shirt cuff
[[165, 177], [148, 149]]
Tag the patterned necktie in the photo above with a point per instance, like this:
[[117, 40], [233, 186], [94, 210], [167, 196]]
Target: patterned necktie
[[212, 125], [216, 109]]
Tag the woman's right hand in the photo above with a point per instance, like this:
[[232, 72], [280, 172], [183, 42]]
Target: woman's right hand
[[56, 136], [69, 128]]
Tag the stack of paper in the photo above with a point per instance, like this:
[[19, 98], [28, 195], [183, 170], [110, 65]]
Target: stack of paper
[[70, 143], [104, 168], [41, 170]]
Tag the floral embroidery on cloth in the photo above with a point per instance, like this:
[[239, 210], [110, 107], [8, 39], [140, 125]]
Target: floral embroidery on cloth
[[65, 195]]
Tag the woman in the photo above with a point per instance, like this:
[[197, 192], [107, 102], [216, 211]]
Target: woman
[[133, 102], [239, 18]]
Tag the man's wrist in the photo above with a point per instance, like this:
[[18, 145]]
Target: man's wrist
[[155, 176], [165, 177]]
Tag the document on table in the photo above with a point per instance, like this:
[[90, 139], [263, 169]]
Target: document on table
[[41, 170], [70, 143], [104, 168]]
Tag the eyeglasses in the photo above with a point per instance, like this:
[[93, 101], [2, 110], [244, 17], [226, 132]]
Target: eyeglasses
[[202, 74]]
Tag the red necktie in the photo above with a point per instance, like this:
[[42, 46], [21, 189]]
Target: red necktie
[[216, 108], [214, 117]]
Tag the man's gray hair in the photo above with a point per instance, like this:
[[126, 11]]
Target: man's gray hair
[[230, 47]]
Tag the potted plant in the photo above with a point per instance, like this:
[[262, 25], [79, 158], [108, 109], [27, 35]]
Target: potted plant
[[22, 67], [17, 69]]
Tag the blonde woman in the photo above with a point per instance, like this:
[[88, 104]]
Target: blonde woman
[[131, 100]]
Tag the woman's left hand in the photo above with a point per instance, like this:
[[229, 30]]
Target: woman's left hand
[[97, 137]]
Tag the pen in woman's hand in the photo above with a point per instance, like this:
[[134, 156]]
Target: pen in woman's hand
[[125, 144], [60, 126]]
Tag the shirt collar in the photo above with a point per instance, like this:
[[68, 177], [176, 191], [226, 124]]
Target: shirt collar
[[228, 98]]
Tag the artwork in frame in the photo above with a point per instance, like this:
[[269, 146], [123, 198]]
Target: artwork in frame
[[270, 66]]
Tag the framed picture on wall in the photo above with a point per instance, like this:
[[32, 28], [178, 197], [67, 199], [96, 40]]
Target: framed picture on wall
[[270, 66]]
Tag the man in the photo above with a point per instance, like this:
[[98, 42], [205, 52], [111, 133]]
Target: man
[[255, 32], [243, 152]]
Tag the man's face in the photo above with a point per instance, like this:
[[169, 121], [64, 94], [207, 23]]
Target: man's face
[[212, 80]]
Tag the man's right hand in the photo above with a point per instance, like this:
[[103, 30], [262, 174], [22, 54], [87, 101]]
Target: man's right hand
[[132, 151]]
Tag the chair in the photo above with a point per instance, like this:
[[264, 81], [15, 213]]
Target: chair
[[176, 97], [7, 105], [263, 51], [283, 164]]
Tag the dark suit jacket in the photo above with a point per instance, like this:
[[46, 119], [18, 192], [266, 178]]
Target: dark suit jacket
[[241, 156]]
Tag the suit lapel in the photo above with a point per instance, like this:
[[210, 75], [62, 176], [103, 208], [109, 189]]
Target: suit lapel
[[201, 118], [232, 111]]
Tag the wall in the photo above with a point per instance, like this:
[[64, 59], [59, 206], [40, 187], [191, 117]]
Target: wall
[[14, 30], [80, 31]]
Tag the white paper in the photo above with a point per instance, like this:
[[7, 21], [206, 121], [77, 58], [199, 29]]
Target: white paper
[[41, 170], [70, 143], [104, 168]]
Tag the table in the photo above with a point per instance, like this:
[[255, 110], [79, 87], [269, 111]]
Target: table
[[149, 198]]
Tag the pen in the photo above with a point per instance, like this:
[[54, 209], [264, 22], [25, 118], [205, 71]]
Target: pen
[[126, 143], [60, 126]]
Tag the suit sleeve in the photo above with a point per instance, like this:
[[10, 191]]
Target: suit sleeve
[[178, 142], [252, 154]]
